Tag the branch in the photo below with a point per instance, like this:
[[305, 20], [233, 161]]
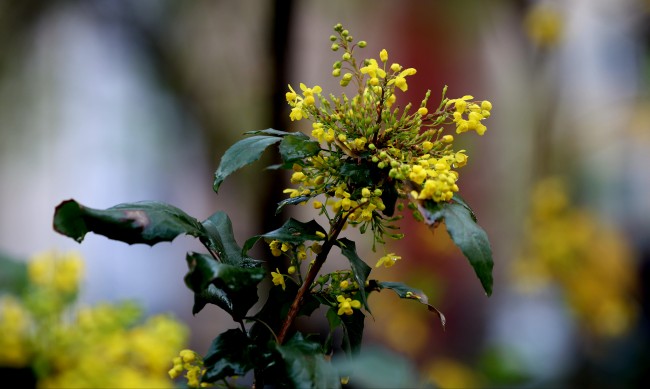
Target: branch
[[311, 276]]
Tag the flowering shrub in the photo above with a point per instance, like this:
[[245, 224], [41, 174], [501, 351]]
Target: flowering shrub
[[367, 159], [106, 345]]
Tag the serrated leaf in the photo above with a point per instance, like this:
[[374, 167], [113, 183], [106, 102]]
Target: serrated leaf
[[406, 292], [297, 146], [306, 366], [360, 269], [242, 153], [466, 234], [236, 286], [229, 355], [352, 331], [220, 238], [148, 222], [359, 175], [273, 312], [290, 201], [292, 231], [333, 319], [269, 131]]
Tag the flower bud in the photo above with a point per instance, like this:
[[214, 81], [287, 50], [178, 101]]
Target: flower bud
[[336, 72], [383, 55], [362, 44], [335, 46], [346, 56], [333, 38]]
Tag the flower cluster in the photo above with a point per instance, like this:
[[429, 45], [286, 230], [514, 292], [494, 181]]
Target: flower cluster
[[190, 361], [374, 152], [106, 345], [589, 260]]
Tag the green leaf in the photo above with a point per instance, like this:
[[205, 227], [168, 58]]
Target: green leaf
[[148, 222], [359, 175], [236, 287], [360, 269], [406, 292], [220, 238], [13, 275], [352, 331], [292, 231], [297, 146], [306, 366], [229, 355], [333, 319], [466, 234], [290, 201], [242, 153], [269, 131]]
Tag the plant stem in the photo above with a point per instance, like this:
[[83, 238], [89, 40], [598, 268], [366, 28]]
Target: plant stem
[[311, 276]]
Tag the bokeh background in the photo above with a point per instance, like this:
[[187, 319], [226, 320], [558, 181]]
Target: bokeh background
[[118, 101]]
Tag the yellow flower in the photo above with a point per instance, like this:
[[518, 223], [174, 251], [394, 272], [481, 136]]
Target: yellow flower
[[346, 305], [400, 79], [460, 158], [310, 91], [297, 112], [298, 177], [423, 111], [291, 95], [388, 260], [278, 278], [373, 70], [418, 174], [383, 55]]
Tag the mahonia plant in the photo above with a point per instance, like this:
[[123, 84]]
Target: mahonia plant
[[367, 158]]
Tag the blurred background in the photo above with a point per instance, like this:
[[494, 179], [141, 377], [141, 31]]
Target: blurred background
[[118, 101]]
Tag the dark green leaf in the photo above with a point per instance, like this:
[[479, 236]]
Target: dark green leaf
[[333, 319], [242, 153], [466, 234], [293, 231], [389, 197], [360, 269], [359, 175], [236, 286], [462, 202], [406, 292], [306, 366], [273, 312], [297, 146], [147, 222], [269, 131], [220, 238], [229, 355], [353, 331], [290, 201], [13, 275]]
